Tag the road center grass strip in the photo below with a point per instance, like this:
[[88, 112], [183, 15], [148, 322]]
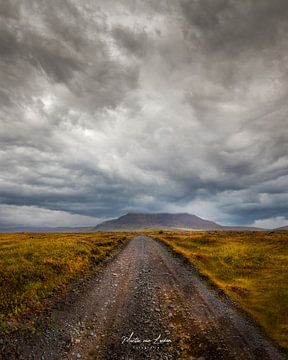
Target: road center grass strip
[[251, 268], [34, 268]]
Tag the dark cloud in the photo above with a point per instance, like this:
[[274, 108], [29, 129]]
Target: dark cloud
[[236, 26], [133, 42], [10, 9], [111, 106]]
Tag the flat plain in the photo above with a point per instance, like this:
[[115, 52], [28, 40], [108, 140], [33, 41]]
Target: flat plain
[[118, 296], [250, 267], [35, 268]]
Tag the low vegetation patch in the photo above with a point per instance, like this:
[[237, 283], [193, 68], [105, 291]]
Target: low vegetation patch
[[34, 268], [251, 268]]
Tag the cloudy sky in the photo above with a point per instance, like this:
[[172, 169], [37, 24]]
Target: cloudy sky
[[159, 105]]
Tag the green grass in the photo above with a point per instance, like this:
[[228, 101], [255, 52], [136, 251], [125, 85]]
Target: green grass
[[37, 268], [251, 268]]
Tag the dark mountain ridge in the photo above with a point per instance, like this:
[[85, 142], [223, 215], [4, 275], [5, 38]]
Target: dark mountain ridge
[[162, 220]]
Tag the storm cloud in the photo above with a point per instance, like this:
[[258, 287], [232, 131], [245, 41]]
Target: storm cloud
[[115, 106]]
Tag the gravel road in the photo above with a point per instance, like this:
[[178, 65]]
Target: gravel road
[[145, 304]]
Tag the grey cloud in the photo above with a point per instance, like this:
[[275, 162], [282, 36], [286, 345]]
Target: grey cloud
[[235, 25], [117, 106], [10, 9], [133, 42], [34, 216], [85, 67]]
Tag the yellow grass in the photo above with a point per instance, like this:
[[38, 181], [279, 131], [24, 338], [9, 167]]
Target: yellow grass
[[251, 268], [34, 268]]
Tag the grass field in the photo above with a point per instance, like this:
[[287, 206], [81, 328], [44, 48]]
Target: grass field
[[34, 268], [251, 268]]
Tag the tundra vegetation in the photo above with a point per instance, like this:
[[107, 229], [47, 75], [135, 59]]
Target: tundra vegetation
[[250, 267], [37, 268]]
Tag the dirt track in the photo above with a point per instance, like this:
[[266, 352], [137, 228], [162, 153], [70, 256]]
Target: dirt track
[[143, 295]]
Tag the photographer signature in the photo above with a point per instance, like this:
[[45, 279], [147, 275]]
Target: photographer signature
[[132, 339]]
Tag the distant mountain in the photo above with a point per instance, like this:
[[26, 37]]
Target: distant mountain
[[282, 228], [39, 229], [161, 220], [243, 228], [133, 221]]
